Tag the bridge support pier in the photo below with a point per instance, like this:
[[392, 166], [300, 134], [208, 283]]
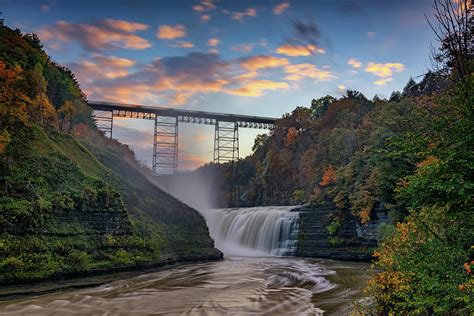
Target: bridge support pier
[[165, 146], [104, 120], [226, 153]]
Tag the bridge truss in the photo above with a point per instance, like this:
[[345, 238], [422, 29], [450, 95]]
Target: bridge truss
[[165, 138], [226, 153]]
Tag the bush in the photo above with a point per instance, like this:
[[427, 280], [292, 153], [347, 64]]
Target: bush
[[12, 265], [334, 226], [78, 260], [122, 257]]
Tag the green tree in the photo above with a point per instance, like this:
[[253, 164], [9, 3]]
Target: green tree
[[427, 263]]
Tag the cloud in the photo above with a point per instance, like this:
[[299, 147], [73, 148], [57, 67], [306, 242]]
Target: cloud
[[243, 48], [96, 36], [125, 25], [204, 5], [299, 50], [248, 47], [370, 34], [383, 81], [305, 33], [213, 42], [170, 80], [299, 71], [238, 16], [183, 44], [262, 61], [341, 87], [171, 32], [45, 8], [279, 9], [174, 81], [102, 67], [132, 136], [257, 88], [354, 63], [205, 18], [384, 70]]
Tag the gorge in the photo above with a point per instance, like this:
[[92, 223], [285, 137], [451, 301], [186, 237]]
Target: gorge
[[253, 278]]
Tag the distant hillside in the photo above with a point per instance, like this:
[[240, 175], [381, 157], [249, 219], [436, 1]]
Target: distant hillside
[[73, 201]]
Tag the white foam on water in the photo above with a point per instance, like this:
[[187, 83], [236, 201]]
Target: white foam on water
[[254, 231]]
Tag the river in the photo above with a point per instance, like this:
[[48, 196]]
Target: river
[[253, 279]]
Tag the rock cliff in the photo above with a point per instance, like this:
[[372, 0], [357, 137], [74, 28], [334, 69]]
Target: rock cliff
[[348, 239]]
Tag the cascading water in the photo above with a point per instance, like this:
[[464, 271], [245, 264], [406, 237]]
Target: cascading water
[[256, 231]]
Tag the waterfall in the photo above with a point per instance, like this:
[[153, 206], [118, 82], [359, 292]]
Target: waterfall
[[256, 231]]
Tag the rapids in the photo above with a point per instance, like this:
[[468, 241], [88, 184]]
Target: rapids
[[235, 286]]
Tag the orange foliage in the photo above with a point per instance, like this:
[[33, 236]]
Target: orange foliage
[[428, 161], [291, 136], [390, 282], [364, 215], [329, 176], [467, 266]]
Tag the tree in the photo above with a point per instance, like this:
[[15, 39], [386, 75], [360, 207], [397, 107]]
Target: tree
[[410, 89], [66, 113], [454, 32], [427, 263], [355, 95], [329, 176], [319, 106], [35, 83], [396, 96]]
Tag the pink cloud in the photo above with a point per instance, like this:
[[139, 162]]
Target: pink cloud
[[172, 81], [102, 67], [238, 16], [280, 8], [96, 36], [300, 71], [204, 5], [171, 31]]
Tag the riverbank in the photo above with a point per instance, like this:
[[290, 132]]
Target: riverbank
[[96, 277]]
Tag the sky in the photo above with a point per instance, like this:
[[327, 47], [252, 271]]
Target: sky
[[245, 57]]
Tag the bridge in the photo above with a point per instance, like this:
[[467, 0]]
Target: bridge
[[165, 140]]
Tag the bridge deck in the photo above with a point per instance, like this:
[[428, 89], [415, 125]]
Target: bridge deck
[[186, 116]]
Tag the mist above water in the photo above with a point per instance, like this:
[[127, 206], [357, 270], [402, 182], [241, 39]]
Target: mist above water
[[254, 231], [197, 189]]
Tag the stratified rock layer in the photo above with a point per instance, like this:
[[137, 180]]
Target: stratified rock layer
[[354, 241]]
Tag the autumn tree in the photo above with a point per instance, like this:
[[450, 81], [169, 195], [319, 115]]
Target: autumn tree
[[66, 113], [329, 176]]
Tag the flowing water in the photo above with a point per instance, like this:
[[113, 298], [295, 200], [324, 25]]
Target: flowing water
[[251, 280], [255, 231]]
